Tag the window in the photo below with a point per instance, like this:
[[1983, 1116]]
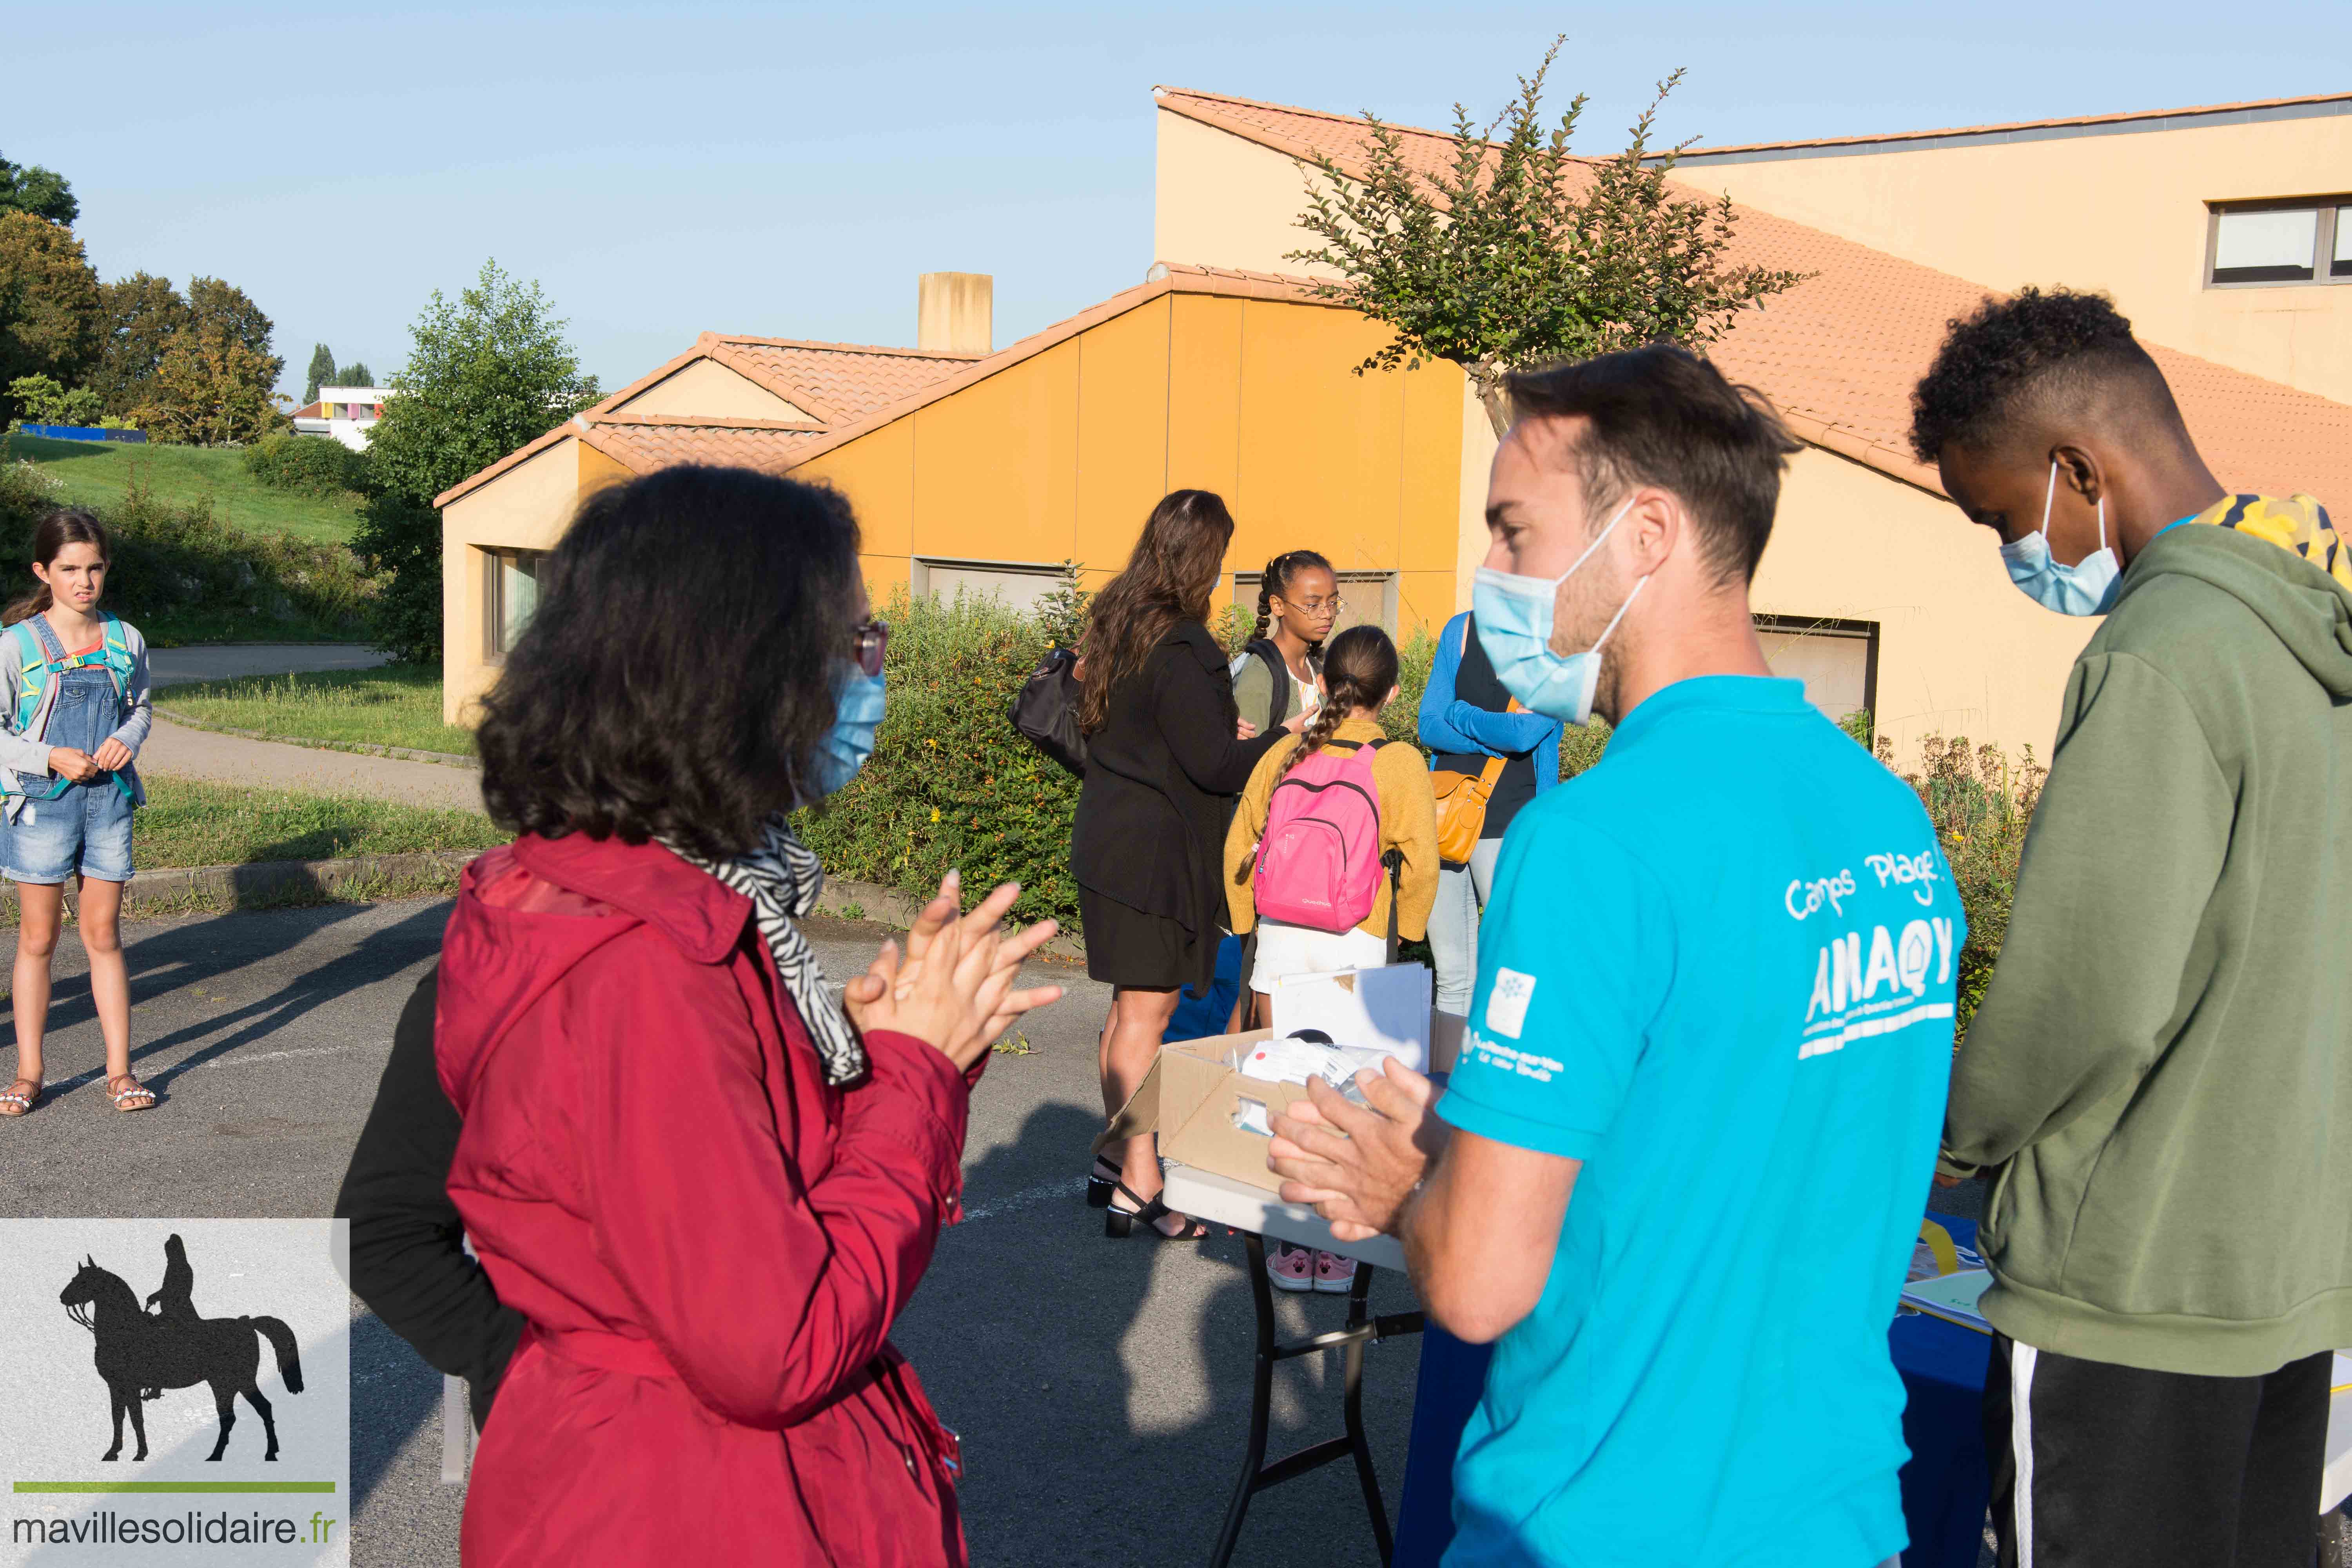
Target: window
[[2267, 244], [1837, 660], [1016, 584], [1364, 596], [512, 593]]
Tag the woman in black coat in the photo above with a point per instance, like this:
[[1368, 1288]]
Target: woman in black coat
[[1164, 760]]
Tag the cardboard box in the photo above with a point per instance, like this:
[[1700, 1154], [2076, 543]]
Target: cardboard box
[[1197, 1101]]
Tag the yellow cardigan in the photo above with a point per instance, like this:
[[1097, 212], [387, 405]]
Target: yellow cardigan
[[1408, 823]]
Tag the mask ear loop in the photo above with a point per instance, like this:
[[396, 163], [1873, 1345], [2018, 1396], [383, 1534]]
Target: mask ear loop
[[2048, 495], [1638, 585], [1602, 538]]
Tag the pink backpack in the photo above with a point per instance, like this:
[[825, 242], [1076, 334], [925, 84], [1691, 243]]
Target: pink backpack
[[1319, 861]]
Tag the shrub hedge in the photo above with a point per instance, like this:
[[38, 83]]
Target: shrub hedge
[[950, 783], [308, 465], [181, 574]]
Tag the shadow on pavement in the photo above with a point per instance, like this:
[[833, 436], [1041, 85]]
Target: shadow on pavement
[[1102, 1388], [193, 953]]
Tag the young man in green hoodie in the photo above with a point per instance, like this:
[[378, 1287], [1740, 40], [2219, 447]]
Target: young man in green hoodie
[[2159, 1078]]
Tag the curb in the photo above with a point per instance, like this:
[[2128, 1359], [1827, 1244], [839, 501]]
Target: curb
[[278, 884], [404, 754], [269, 884]]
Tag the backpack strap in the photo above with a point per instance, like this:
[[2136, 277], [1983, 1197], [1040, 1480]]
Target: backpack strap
[[1279, 704]]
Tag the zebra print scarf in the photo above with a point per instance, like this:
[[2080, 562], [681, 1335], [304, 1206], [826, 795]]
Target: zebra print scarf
[[782, 877]]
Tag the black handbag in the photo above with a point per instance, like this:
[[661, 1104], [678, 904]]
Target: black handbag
[[1045, 710]]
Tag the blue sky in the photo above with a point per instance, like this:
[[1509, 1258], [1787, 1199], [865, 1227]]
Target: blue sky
[[789, 168]]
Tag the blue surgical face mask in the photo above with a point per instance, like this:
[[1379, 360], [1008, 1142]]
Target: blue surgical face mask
[[2088, 587], [1514, 616], [856, 713]]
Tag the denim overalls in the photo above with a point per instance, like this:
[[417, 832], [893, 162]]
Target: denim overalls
[[87, 828]]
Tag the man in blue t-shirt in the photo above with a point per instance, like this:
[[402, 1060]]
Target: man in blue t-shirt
[[1679, 1171]]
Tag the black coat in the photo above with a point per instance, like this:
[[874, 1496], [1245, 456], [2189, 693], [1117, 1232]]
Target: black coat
[[409, 1262], [1161, 774]]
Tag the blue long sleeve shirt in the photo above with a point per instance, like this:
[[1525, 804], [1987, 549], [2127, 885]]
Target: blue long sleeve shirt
[[1448, 725]]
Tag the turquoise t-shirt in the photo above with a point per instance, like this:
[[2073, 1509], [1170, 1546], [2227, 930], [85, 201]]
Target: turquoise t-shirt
[[1718, 969]]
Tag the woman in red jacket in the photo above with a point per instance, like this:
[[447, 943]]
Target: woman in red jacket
[[707, 1190]]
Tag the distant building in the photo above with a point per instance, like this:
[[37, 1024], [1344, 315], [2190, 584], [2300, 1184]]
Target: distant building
[[982, 470], [345, 413]]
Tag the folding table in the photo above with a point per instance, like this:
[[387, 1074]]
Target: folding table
[[1220, 1200]]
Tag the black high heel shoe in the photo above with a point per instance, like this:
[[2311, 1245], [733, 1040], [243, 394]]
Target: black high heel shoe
[[1101, 1182], [1118, 1223]]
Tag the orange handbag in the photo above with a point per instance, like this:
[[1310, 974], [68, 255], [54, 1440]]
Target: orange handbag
[[1462, 808], [1462, 803]]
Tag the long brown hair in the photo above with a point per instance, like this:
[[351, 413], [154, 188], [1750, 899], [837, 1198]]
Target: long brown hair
[[1170, 577], [1359, 670], [67, 525]]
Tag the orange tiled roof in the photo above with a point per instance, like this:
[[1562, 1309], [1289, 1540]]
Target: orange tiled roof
[[1840, 352], [835, 383]]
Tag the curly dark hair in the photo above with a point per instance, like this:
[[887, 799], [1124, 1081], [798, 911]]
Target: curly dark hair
[[1170, 576], [2000, 368], [1359, 670], [681, 664]]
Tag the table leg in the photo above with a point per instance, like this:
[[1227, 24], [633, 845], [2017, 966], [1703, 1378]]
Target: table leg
[[1352, 1363], [1261, 1403]]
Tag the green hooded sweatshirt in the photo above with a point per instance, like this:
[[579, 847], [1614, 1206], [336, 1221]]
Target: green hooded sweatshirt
[[2162, 1065]]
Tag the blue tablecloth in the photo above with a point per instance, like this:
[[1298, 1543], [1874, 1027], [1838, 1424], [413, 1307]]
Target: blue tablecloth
[[1944, 1485]]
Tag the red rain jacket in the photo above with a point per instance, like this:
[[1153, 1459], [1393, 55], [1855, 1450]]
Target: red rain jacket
[[708, 1242]]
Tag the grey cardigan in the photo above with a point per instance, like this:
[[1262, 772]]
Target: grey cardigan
[[24, 756]]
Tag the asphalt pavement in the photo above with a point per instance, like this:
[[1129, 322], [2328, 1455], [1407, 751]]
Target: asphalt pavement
[[1101, 1388]]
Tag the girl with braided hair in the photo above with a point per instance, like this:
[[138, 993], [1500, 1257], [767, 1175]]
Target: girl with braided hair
[[1274, 675], [1358, 679]]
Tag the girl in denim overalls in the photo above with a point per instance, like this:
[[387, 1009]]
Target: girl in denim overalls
[[75, 683]]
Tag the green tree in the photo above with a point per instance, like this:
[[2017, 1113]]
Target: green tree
[[321, 374], [214, 303], [44, 193], [211, 389], [1522, 252], [356, 374], [41, 401], [48, 304], [487, 373], [137, 318]]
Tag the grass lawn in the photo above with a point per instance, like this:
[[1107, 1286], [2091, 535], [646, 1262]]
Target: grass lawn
[[97, 473], [188, 822], [397, 705]]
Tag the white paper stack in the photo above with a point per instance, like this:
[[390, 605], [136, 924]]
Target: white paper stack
[[1384, 1010]]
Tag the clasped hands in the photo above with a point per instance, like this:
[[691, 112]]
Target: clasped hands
[[82, 766], [952, 988], [1358, 1167]]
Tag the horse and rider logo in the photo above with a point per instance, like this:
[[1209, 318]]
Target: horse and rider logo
[[141, 1352]]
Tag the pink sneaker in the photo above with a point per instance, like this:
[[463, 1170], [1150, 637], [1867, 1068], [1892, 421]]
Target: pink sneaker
[[1334, 1275], [1291, 1268]]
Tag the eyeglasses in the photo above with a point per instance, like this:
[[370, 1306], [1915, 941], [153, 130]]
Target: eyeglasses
[[1335, 605], [868, 641]]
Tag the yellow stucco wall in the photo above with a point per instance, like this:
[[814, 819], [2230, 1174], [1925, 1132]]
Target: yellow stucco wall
[[2125, 213], [1063, 454], [1961, 651], [1220, 201], [526, 507], [707, 388]]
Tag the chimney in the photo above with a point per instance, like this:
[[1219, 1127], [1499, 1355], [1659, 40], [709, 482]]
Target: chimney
[[952, 312]]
